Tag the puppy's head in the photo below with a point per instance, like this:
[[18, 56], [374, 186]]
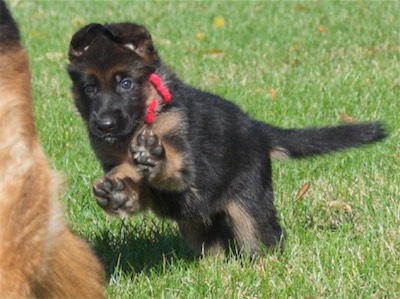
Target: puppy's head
[[109, 67]]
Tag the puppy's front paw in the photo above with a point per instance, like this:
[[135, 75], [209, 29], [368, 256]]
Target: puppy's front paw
[[115, 197], [147, 150]]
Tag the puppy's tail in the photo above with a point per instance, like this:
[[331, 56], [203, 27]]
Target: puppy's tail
[[301, 143]]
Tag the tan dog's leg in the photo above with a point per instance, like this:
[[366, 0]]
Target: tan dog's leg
[[39, 256]]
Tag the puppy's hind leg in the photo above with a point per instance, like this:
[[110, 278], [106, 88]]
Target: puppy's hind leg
[[207, 238], [253, 227]]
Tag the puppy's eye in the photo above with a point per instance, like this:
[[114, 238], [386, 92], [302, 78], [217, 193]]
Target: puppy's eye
[[89, 89], [126, 84]]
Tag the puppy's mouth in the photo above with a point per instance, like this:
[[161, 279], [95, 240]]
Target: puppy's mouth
[[112, 138], [116, 135]]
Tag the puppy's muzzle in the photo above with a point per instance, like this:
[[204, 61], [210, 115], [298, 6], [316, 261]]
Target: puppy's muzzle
[[105, 125]]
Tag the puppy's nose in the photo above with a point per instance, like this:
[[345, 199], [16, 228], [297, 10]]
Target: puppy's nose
[[106, 124]]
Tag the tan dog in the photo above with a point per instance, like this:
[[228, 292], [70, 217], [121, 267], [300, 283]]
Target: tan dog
[[39, 256]]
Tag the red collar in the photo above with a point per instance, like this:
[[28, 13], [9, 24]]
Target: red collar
[[163, 91]]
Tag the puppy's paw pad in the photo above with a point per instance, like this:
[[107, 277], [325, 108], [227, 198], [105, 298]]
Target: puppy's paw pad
[[110, 193], [147, 150]]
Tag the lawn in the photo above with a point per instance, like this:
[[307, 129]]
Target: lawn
[[292, 64]]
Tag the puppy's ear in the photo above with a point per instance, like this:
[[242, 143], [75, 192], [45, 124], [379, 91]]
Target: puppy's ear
[[135, 38], [82, 39]]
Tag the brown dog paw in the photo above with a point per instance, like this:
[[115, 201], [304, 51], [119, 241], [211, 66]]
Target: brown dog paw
[[147, 150], [114, 196]]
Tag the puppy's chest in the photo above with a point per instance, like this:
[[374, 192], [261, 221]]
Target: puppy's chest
[[111, 154]]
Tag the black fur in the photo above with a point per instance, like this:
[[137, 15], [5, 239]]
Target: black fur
[[315, 141], [207, 165]]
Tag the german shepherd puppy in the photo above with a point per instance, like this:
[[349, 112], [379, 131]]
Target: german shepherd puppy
[[39, 256], [195, 157]]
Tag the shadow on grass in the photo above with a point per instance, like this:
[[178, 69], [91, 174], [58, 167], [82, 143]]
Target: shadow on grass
[[133, 250]]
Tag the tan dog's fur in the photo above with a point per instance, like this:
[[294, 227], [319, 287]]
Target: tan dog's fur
[[39, 256]]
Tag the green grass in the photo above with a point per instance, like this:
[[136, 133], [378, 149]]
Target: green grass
[[323, 59]]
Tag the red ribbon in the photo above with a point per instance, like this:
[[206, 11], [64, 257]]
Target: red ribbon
[[163, 92]]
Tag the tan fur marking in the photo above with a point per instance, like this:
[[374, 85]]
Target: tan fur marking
[[242, 225], [279, 153], [167, 122], [169, 176], [150, 93], [175, 161], [124, 170]]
